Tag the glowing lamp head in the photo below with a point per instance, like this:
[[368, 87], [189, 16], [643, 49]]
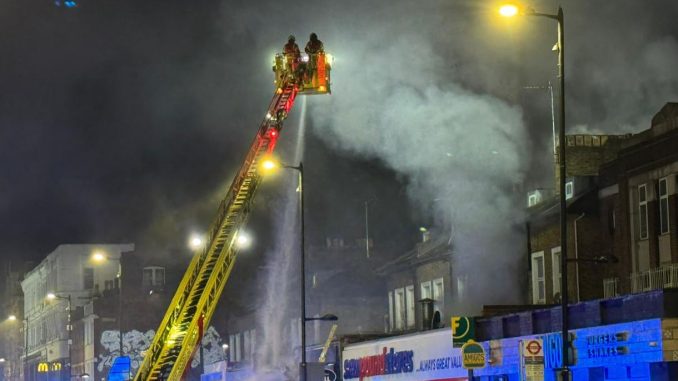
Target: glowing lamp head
[[11, 318], [224, 346], [51, 296], [508, 10], [243, 241], [98, 256], [195, 242], [269, 165]]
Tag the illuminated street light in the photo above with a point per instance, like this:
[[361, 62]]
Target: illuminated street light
[[98, 257], [224, 346], [243, 241], [11, 318], [195, 242], [269, 164], [508, 10], [2, 359], [69, 327]]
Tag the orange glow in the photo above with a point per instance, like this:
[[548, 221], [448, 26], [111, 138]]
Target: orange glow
[[508, 10]]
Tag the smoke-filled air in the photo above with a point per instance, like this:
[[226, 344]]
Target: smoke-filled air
[[461, 152]]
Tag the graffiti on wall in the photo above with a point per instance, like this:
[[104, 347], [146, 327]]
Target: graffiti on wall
[[134, 343]]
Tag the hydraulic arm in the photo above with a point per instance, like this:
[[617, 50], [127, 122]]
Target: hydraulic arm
[[196, 297]]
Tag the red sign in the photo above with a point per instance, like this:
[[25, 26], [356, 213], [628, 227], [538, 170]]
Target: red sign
[[533, 347]]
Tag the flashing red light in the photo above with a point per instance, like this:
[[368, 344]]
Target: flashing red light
[[273, 133]]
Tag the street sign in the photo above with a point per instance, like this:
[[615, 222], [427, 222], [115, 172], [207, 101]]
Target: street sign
[[532, 359], [472, 355], [463, 330]]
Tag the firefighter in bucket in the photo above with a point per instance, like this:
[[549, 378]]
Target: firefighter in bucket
[[310, 70]]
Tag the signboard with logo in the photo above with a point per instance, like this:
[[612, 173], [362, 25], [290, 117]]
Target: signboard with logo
[[463, 330], [614, 346], [532, 359], [423, 356], [473, 355]]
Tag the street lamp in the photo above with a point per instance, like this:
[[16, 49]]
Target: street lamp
[[269, 165], [51, 297], [11, 318], [100, 257], [511, 10], [195, 242]]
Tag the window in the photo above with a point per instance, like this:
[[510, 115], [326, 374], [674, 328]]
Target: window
[[555, 268], [88, 278], [246, 346], [153, 276], [426, 290], [231, 347], [237, 352], [642, 211], [409, 299], [663, 206], [89, 332], [569, 190], [461, 287], [399, 308], [438, 296], [390, 310], [532, 200], [538, 285], [611, 220]]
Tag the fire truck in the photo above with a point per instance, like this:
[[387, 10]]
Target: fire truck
[[195, 300]]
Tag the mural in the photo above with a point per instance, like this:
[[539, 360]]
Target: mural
[[134, 343]]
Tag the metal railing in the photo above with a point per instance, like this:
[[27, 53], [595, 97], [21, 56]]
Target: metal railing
[[665, 276]]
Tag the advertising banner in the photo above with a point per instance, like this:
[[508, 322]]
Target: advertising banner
[[421, 357]]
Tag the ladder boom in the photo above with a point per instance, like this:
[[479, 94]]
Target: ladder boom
[[196, 297]]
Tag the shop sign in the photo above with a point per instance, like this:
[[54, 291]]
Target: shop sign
[[473, 355], [532, 355], [424, 356], [463, 330]]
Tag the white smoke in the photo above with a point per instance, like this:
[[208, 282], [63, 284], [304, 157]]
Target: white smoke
[[467, 151]]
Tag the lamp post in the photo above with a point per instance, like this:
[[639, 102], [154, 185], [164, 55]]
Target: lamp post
[[100, 257], [513, 10], [269, 165], [69, 328]]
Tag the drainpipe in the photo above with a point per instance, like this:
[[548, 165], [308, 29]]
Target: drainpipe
[[576, 253]]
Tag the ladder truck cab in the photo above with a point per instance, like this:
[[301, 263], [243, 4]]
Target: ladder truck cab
[[311, 72]]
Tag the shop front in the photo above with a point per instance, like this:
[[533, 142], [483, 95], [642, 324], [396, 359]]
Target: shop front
[[426, 356], [644, 350]]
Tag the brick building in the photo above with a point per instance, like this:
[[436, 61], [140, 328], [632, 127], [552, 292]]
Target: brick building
[[422, 273], [638, 205], [621, 213]]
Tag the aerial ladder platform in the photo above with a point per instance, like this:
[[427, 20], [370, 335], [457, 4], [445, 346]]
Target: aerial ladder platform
[[196, 298]]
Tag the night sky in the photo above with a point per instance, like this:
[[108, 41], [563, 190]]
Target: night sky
[[125, 120]]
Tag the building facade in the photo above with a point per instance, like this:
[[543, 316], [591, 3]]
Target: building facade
[[419, 286], [72, 278], [622, 216]]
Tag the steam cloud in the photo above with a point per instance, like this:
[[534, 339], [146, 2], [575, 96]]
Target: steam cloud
[[462, 152]]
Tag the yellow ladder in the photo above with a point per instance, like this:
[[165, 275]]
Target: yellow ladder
[[196, 297]]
